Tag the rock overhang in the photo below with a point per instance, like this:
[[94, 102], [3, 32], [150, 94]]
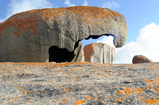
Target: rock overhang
[[63, 27], [79, 22]]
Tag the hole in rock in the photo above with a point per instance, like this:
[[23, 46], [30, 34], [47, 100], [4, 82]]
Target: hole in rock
[[60, 54], [105, 38]]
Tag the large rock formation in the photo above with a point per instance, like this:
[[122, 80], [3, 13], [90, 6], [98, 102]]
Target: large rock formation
[[28, 36], [141, 59], [99, 52]]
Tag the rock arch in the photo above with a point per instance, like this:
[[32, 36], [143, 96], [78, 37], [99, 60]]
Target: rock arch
[[27, 36]]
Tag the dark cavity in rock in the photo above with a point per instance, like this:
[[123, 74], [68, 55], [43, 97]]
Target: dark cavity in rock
[[63, 55], [60, 54]]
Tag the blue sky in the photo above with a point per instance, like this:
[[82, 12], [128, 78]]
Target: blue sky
[[141, 15]]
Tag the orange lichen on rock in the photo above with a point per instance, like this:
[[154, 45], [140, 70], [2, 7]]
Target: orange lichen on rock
[[100, 93], [65, 90], [69, 63], [62, 64], [119, 92], [138, 90], [140, 98], [151, 101], [88, 51], [23, 21], [29, 20], [83, 63], [96, 99], [89, 97], [30, 63], [14, 99], [53, 63], [90, 74], [128, 90], [63, 101], [28, 101], [157, 90], [153, 68], [80, 102], [22, 90], [148, 81], [83, 11], [120, 99], [17, 34]]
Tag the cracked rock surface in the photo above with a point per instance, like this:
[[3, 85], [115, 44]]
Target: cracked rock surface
[[79, 83]]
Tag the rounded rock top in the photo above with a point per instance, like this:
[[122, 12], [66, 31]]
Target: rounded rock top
[[141, 59]]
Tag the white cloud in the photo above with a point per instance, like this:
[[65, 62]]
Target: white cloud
[[110, 5], [68, 3], [85, 3], [127, 52], [108, 40], [146, 44], [17, 6], [1, 20]]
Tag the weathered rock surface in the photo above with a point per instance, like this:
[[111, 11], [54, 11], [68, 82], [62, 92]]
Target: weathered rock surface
[[79, 84], [27, 36], [141, 59], [99, 52]]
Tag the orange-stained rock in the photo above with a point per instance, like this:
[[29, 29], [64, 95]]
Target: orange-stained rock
[[78, 83], [27, 36], [141, 59], [99, 52]]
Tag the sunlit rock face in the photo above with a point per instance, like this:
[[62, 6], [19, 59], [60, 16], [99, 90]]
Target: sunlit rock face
[[99, 52], [28, 36]]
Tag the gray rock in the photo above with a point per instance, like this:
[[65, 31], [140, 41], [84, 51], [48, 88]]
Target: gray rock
[[27, 36], [95, 103], [78, 83], [99, 52]]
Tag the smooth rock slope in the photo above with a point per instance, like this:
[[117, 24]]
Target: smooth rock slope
[[79, 83], [28, 36], [99, 52]]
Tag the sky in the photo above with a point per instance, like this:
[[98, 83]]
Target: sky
[[141, 16]]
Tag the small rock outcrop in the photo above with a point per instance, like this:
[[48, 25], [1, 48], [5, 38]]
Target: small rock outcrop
[[141, 59], [28, 36], [99, 52]]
